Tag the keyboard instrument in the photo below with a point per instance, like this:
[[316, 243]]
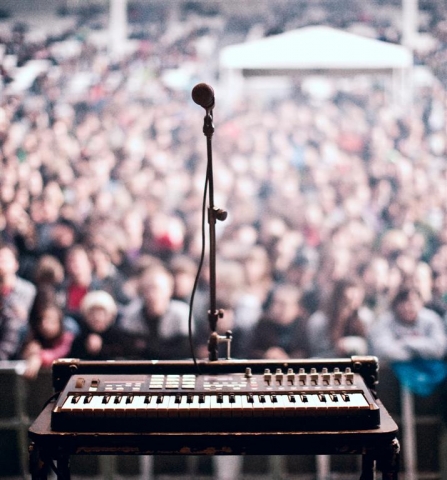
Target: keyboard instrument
[[230, 396]]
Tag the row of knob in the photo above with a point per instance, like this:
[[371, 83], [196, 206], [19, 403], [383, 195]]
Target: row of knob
[[303, 378]]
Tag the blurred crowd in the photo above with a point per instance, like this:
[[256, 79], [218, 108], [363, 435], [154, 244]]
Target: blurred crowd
[[336, 238]]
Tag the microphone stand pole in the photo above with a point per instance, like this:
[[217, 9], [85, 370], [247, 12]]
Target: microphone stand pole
[[214, 214]]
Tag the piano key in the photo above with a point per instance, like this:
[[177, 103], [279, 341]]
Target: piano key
[[205, 406], [269, 406], [184, 406], [226, 405], [215, 405], [236, 406], [318, 400], [305, 401], [278, 404], [357, 400], [247, 405], [194, 406], [151, 405], [95, 407], [119, 405], [137, 407], [290, 403], [162, 403], [333, 401], [258, 405], [173, 404], [73, 404]]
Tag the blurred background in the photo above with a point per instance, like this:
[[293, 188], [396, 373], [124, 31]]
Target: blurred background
[[329, 154]]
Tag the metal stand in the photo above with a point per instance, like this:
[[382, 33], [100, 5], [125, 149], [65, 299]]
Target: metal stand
[[214, 214]]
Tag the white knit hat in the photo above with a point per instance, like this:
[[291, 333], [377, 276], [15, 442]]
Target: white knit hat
[[99, 298]]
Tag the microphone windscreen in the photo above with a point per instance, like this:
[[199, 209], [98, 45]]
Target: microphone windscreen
[[203, 95]]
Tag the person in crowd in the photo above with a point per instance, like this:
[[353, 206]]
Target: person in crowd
[[48, 338], [79, 278], [63, 235], [184, 270], [15, 292], [106, 276], [100, 338], [280, 333], [339, 328], [49, 273], [11, 332], [157, 322], [408, 330], [255, 288]]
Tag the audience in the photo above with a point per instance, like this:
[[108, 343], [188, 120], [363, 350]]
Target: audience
[[102, 172], [340, 327], [156, 321], [16, 293], [11, 332], [408, 330], [280, 333], [48, 338], [100, 337]]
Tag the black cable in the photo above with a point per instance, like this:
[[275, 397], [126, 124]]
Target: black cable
[[53, 397], [199, 269]]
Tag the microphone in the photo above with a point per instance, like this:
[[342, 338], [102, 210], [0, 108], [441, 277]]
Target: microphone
[[203, 95]]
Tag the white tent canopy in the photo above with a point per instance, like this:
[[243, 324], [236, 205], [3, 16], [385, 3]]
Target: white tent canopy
[[315, 49]]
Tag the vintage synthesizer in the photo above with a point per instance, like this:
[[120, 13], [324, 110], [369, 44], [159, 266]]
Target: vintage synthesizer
[[251, 396]]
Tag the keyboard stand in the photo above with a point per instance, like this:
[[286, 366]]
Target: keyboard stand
[[378, 447]]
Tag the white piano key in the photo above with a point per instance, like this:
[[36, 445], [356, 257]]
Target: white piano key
[[215, 406], [173, 405], [357, 400], [226, 406], [320, 400], [150, 402], [119, 405], [306, 401], [278, 405], [269, 406], [247, 406], [258, 405], [236, 406], [108, 406], [194, 406], [162, 403], [73, 404], [205, 406], [138, 407], [94, 408], [290, 404], [184, 406]]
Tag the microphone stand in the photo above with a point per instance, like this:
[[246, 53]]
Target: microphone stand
[[214, 214]]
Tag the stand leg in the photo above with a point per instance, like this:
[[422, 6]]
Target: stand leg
[[368, 469], [389, 461], [37, 466], [63, 467]]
